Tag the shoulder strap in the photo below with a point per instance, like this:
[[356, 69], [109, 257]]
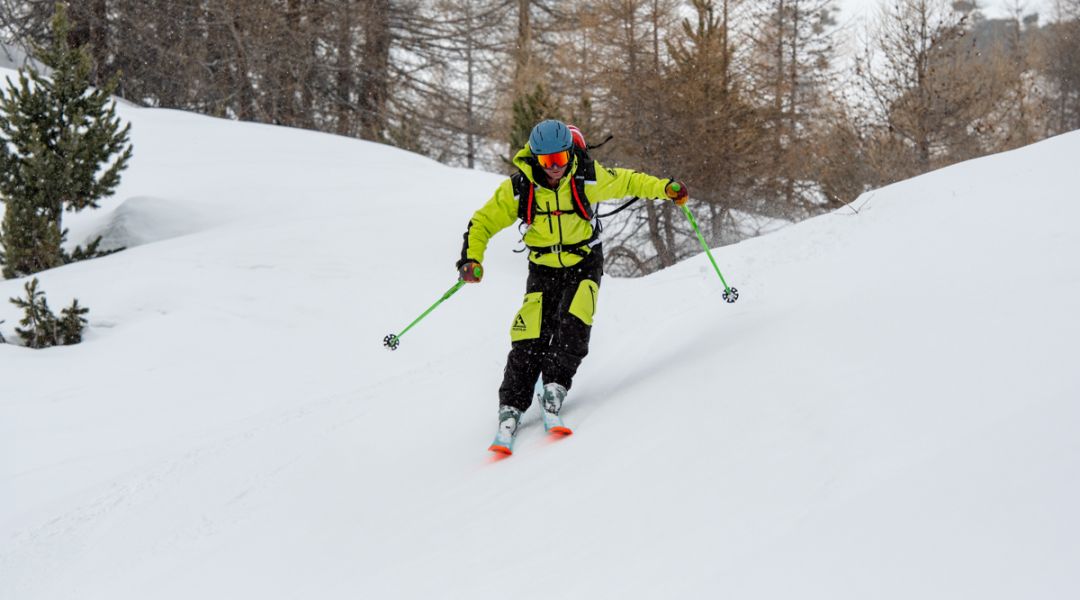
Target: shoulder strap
[[525, 190], [586, 173], [525, 194]]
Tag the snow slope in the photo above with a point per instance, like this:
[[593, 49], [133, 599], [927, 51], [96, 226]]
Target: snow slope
[[889, 411]]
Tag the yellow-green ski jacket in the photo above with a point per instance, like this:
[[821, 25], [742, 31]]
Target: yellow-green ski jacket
[[555, 223]]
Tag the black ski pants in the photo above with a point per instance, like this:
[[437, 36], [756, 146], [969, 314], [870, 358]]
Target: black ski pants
[[551, 339]]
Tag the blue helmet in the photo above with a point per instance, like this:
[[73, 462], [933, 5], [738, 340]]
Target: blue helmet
[[549, 137]]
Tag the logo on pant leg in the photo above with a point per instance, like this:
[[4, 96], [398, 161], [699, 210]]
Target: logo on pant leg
[[526, 325]]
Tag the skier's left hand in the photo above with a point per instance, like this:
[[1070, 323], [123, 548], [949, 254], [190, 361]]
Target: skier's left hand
[[677, 192]]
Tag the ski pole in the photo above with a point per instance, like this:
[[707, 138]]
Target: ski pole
[[392, 341], [730, 294]]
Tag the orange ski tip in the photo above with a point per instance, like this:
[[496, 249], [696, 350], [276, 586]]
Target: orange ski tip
[[500, 450], [561, 431]]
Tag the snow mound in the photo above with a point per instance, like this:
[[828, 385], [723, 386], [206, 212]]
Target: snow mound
[[144, 220]]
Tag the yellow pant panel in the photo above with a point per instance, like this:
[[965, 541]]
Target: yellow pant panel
[[583, 306], [526, 325]]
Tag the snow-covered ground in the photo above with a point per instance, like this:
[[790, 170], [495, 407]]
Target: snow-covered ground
[[889, 411]]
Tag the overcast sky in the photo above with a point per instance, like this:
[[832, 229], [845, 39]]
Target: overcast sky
[[994, 9]]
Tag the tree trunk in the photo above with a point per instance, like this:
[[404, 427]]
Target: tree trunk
[[247, 107], [470, 98], [375, 83], [289, 111], [216, 60], [89, 29], [343, 79], [522, 48], [659, 235], [99, 41]]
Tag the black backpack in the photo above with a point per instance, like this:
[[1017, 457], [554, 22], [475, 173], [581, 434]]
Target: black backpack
[[525, 190]]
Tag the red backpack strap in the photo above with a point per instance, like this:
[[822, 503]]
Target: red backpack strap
[[582, 211], [530, 203], [525, 194], [586, 173]]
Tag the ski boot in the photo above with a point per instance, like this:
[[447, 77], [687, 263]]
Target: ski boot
[[552, 402], [509, 419]]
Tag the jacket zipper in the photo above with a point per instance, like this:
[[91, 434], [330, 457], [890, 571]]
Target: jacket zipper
[[551, 228], [559, 217]]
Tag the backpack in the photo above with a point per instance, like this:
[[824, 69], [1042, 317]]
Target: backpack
[[525, 190]]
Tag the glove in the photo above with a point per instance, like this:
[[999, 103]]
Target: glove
[[471, 271], [677, 192]]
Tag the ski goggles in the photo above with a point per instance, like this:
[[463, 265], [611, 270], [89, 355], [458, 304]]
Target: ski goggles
[[556, 159]]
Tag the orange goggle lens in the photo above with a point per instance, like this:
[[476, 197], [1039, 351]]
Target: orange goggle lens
[[558, 159]]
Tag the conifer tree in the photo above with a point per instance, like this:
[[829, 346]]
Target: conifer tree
[[72, 323], [58, 140], [529, 110], [713, 108], [39, 325], [791, 60], [41, 328]]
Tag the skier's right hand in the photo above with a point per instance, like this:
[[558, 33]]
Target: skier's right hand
[[470, 271]]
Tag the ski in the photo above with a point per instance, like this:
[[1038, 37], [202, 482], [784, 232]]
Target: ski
[[556, 430], [550, 397], [502, 445], [553, 424], [500, 448], [509, 419], [550, 401]]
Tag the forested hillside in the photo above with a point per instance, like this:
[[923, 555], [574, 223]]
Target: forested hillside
[[769, 109]]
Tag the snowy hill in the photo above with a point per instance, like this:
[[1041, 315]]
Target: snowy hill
[[889, 411]]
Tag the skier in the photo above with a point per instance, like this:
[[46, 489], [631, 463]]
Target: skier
[[553, 194]]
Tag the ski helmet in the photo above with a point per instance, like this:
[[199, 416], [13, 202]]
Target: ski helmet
[[549, 137]]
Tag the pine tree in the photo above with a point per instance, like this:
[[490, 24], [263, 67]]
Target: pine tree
[[40, 327], [58, 138], [529, 110], [713, 107], [791, 62], [31, 241], [72, 323]]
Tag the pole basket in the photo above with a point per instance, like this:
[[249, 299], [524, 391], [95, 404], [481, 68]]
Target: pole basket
[[731, 295], [391, 342]]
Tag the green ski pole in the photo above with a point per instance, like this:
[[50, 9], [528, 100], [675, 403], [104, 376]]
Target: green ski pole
[[730, 294], [391, 341]]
